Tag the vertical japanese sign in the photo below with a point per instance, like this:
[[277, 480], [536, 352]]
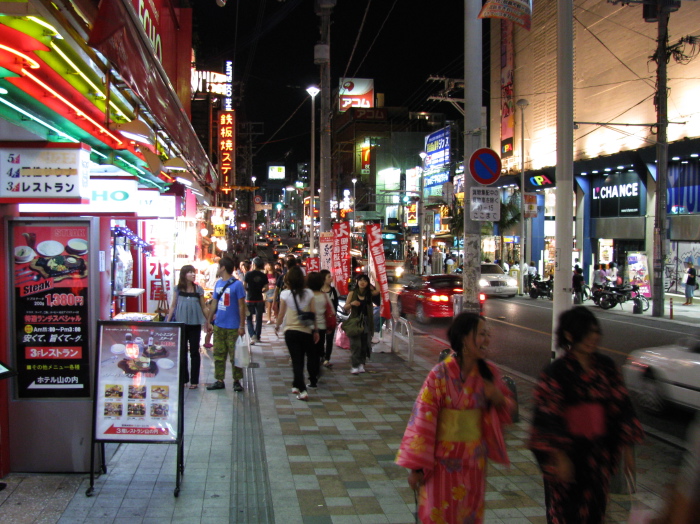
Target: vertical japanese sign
[[341, 256], [227, 149], [376, 254], [530, 205], [325, 250], [50, 282], [507, 91], [313, 264], [138, 388]]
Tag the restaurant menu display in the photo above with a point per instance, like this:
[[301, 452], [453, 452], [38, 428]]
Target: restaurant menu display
[[138, 390], [50, 283]]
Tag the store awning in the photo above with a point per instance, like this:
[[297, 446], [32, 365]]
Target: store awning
[[119, 36]]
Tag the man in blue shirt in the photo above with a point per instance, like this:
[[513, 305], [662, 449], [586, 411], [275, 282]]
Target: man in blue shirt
[[229, 305]]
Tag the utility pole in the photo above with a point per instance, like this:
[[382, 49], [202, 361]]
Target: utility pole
[[322, 58], [472, 138]]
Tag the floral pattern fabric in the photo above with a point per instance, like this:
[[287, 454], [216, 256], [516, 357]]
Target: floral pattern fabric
[[454, 472], [564, 393]]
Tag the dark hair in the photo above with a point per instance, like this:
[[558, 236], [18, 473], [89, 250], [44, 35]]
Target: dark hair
[[228, 264], [579, 271], [315, 281], [362, 277], [258, 263], [462, 325], [295, 280], [246, 265], [291, 262], [577, 322], [182, 282], [323, 273]]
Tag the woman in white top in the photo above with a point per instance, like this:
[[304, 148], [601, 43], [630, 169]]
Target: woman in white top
[[601, 276], [315, 281], [296, 300]]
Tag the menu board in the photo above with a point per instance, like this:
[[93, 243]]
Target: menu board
[[137, 386], [50, 293]]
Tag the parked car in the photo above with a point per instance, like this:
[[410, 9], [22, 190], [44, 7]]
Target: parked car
[[430, 298], [659, 376], [495, 282]]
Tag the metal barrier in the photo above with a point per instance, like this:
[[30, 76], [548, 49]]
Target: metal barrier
[[402, 330]]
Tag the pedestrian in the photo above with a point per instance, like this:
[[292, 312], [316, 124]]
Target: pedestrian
[[577, 284], [299, 335], [427, 264], [612, 273], [359, 304], [255, 284], [332, 294], [315, 281], [271, 275], [690, 281], [228, 305], [189, 308], [456, 423], [583, 422], [212, 273], [600, 278], [532, 273]]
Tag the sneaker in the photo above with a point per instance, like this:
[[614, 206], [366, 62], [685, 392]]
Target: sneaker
[[295, 391], [269, 322], [314, 385], [219, 384], [237, 386], [208, 346], [303, 396], [355, 371], [362, 368]]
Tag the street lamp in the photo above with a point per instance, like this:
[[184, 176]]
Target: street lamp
[[522, 104], [354, 203], [313, 91], [253, 179]]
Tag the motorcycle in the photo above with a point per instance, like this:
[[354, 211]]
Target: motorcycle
[[541, 288], [614, 295]]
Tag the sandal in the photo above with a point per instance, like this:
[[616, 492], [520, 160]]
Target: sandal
[[194, 386]]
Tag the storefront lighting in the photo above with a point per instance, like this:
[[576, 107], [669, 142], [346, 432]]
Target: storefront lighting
[[676, 158], [136, 130], [46, 25], [175, 164], [684, 162], [607, 170], [184, 181], [221, 244], [204, 232], [3, 91], [33, 64], [98, 91], [101, 155], [595, 171], [78, 112], [38, 120]]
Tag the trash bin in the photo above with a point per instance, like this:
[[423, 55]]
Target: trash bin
[[638, 308]]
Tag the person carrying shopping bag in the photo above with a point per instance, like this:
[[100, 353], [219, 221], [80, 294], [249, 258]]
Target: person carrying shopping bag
[[360, 326]]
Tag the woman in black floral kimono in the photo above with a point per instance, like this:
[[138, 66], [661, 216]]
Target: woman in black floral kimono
[[583, 422]]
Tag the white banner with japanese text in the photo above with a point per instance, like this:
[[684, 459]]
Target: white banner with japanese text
[[325, 250]]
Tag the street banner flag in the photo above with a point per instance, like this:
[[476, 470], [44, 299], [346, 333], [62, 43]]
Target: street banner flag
[[376, 254], [341, 256], [517, 11]]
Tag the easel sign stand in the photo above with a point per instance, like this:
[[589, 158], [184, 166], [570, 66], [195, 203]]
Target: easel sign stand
[[138, 392]]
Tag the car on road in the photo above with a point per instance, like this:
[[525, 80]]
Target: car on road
[[495, 282], [663, 375], [261, 242], [281, 249], [429, 298]]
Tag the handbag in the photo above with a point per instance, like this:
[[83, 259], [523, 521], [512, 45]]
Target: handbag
[[241, 355], [354, 326], [341, 339], [331, 319], [307, 318]]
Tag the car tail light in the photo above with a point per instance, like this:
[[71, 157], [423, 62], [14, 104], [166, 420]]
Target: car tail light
[[482, 300], [458, 290], [440, 298]]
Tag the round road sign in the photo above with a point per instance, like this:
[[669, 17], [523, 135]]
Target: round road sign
[[258, 199], [485, 166]]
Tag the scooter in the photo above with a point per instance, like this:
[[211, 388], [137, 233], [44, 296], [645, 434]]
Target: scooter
[[541, 288]]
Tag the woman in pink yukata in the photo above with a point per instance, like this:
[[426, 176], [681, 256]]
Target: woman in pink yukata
[[455, 426]]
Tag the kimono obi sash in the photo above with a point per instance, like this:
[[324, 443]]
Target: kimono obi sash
[[586, 420], [459, 425]]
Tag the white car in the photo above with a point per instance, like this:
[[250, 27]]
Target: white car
[[665, 374], [495, 282]]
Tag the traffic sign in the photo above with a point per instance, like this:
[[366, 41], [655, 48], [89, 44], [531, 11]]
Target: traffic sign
[[258, 199], [485, 166]]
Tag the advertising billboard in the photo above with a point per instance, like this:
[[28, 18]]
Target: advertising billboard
[[437, 148], [276, 173], [356, 92]]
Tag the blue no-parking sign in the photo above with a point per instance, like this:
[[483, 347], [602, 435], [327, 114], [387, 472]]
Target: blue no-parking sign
[[485, 166]]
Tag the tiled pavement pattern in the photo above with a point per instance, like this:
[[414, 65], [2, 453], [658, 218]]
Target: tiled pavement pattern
[[326, 461]]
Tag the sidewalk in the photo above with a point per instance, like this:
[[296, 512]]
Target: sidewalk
[[263, 456]]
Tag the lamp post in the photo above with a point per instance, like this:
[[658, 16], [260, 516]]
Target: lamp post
[[313, 91], [522, 104], [421, 219], [254, 214], [354, 203]]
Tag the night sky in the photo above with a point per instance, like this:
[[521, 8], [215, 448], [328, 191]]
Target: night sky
[[272, 42]]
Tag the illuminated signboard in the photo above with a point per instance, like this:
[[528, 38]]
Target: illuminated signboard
[[227, 149], [437, 147], [366, 159], [356, 92], [275, 173], [228, 87], [149, 14], [436, 179]]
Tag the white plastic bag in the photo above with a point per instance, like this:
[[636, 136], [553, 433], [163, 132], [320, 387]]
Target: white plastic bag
[[241, 356]]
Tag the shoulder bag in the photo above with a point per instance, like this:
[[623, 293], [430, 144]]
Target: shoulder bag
[[307, 318], [331, 319]]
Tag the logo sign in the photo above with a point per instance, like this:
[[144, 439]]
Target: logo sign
[[356, 92], [485, 166], [485, 204], [618, 195], [540, 181], [436, 179], [437, 148]]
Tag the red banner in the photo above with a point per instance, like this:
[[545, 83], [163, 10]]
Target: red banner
[[376, 254], [341, 256], [313, 264]]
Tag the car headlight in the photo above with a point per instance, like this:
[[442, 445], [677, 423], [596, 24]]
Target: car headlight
[[483, 283], [399, 271], [512, 282]]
